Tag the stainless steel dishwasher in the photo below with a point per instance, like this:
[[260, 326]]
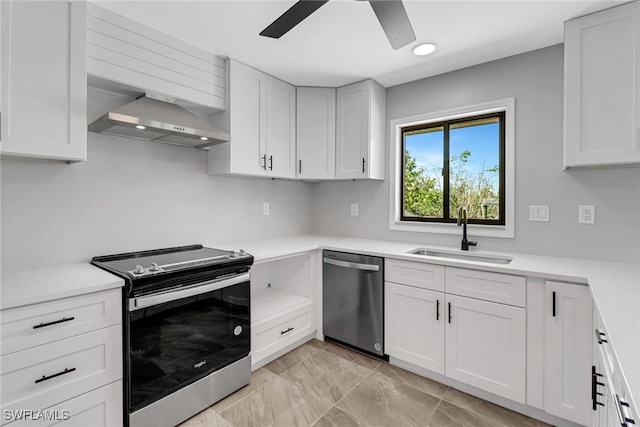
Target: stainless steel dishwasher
[[353, 300]]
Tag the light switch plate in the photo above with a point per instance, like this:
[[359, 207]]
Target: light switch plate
[[354, 209], [539, 213], [265, 208]]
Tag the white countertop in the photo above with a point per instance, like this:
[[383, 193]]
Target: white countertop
[[615, 286], [34, 286]]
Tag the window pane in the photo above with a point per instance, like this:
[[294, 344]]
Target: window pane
[[423, 173], [474, 176]]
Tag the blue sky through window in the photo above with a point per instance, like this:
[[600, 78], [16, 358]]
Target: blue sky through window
[[481, 140]]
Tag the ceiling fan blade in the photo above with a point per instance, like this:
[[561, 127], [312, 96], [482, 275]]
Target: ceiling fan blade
[[395, 22], [292, 17]]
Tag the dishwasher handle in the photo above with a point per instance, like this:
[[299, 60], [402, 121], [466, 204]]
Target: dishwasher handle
[[354, 265]]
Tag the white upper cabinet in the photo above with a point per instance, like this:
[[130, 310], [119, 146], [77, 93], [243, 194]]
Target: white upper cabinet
[[316, 133], [122, 50], [44, 86], [280, 147], [568, 350], [602, 88], [360, 131], [262, 126]]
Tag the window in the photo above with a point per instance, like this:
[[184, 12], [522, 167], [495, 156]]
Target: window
[[446, 159], [452, 164]]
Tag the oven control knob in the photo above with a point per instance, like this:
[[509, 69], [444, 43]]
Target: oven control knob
[[138, 269], [242, 252], [237, 330], [233, 254], [154, 267]]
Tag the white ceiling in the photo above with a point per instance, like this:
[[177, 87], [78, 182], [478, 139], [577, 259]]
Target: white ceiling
[[342, 42]]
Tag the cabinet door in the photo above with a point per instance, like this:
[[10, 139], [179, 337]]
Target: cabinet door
[[414, 326], [486, 346], [316, 132], [247, 116], [602, 88], [568, 351], [44, 82], [280, 146], [352, 137]]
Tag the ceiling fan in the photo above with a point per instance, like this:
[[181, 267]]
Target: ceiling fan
[[391, 14]]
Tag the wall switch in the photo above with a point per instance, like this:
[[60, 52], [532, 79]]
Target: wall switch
[[265, 208], [354, 209], [539, 213], [587, 214]]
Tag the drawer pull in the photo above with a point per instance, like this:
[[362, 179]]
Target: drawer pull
[[623, 413], [449, 312], [599, 336], [437, 309], [284, 332], [64, 319], [553, 303], [66, 371]]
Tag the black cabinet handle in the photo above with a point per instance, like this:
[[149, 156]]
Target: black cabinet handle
[[270, 163], [284, 332], [363, 163], [66, 371], [300, 166], [64, 319], [553, 302], [437, 309], [449, 312], [599, 336], [594, 389], [264, 161]]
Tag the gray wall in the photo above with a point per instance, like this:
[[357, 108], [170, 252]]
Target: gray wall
[[134, 195], [535, 79]]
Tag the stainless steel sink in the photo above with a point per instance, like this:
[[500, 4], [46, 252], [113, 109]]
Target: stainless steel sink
[[493, 259]]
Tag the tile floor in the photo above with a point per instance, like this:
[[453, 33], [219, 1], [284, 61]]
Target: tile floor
[[323, 385]]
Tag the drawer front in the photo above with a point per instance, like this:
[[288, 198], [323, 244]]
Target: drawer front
[[495, 287], [418, 274], [99, 408], [46, 375], [291, 327], [38, 324]]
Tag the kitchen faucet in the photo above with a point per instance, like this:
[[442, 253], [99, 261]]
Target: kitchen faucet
[[462, 220]]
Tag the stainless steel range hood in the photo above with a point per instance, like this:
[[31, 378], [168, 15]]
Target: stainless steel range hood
[[160, 121]]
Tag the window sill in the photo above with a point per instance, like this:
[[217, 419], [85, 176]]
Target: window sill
[[472, 229]]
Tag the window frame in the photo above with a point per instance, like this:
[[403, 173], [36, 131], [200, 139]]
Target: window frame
[[396, 163], [446, 169]]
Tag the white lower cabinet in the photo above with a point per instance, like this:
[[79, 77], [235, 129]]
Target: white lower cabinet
[[62, 362], [284, 305], [486, 346], [481, 343], [414, 325], [568, 348]]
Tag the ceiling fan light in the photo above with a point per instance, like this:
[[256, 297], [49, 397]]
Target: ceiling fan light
[[423, 49]]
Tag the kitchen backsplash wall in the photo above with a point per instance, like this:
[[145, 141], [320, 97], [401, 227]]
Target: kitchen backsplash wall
[[134, 195], [535, 80]]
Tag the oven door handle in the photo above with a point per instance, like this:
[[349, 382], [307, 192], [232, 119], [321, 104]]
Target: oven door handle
[[172, 295]]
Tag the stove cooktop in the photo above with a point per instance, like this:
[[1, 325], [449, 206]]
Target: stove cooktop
[[145, 264]]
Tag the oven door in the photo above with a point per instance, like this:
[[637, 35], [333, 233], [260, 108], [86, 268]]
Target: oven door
[[180, 336]]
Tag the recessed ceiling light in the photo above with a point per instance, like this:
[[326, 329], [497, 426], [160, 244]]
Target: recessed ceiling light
[[423, 49], [204, 138], [140, 127]]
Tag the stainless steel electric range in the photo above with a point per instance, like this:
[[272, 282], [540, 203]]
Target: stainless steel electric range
[[186, 317]]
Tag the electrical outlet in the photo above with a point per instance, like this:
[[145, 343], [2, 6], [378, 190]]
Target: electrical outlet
[[587, 214], [265, 208], [539, 213], [354, 209]]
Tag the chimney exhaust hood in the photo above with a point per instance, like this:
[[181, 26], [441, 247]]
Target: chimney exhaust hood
[[159, 120]]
